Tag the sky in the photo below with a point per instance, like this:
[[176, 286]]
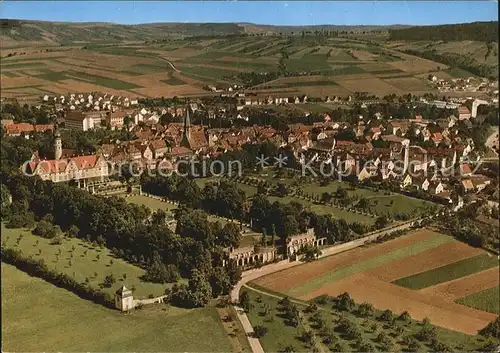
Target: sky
[[276, 13]]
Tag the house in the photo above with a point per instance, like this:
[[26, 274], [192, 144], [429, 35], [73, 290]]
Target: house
[[436, 187], [421, 183], [480, 182], [158, 147], [464, 113], [84, 120], [406, 182], [20, 129], [467, 185], [464, 170]]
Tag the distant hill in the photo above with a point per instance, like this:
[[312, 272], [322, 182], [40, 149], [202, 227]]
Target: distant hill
[[66, 32], [475, 31]]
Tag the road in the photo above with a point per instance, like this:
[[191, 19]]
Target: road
[[170, 63], [252, 274], [492, 140]]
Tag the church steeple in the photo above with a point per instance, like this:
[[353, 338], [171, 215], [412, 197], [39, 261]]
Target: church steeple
[[187, 122], [186, 136]]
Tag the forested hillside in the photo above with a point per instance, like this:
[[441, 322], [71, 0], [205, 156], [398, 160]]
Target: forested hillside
[[476, 31]]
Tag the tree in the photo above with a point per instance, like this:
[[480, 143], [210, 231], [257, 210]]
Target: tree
[[259, 331], [229, 236], [365, 310], [344, 302], [109, 280], [45, 229], [405, 316], [160, 273], [72, 231], [492, 329], [245, 301], [381, 222], [220, 281], [386, 316]]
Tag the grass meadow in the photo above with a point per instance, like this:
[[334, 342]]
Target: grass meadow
[[81, 260], [38, 316]]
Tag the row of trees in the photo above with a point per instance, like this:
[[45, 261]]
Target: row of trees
[[476, 31]]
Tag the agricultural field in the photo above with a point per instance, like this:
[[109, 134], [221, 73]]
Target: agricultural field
[[82, 261], [369, 274], [38, 316], [267, 312], [147, 70]]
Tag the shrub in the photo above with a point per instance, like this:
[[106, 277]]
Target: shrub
[[109, 280], [386, 315], [405, 316], [492, 329], [322, 299], [259, 331], [365, 310]]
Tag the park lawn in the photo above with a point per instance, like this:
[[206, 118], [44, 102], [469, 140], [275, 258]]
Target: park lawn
[[320, 209], [279, 335], [153, 204], [316, 189], [379, 201], [449, 272], [38, 316], [343, 272], [486, 300], [83, 266], [396, 203]]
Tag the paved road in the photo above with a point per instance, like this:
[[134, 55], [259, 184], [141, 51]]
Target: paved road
[[250, 275], [492, 140]]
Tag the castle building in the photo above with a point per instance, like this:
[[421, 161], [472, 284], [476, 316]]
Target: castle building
[[83, 169]]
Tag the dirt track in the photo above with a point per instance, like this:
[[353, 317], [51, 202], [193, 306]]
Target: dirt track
[[284, 280], [384, 295], [427, 260], [465, 286]]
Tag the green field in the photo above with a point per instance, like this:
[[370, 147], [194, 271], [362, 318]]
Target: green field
[[487, 300], [449, 272], [84, 263], [343, 272], [38, 316], [22, 65], [459, 73], [280, 335], [149, 68], [102, 81], [208, 72]]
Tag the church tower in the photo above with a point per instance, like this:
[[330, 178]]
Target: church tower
[[186, 136], [187, 123], [57, 146]]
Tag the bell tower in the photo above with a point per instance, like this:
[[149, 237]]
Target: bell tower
[[57, 145]]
